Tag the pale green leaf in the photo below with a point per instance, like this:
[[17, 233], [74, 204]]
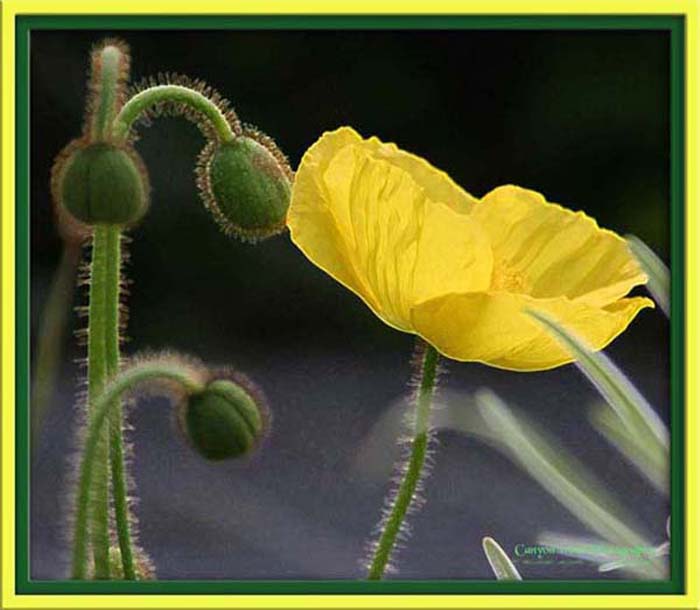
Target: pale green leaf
[[659, 283], [500, 563], [651, 463], [563, 477], [637, 561], [637, 414]]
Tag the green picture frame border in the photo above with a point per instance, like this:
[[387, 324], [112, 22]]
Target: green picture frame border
[[674, 24]]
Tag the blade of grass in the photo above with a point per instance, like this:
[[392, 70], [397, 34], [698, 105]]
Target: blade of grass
[[500, 563], [563, 477], [606, 556], [559, 473], [652, 464], [53, 325], [659, 284], [623, 564], [594, 550], [618, 391]]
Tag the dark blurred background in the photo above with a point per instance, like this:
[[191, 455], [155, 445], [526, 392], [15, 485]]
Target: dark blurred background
[[582, 117]]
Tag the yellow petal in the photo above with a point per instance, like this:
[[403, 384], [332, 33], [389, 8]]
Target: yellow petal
[[493, 328], [375, 219], [547, 251], [437, 183]]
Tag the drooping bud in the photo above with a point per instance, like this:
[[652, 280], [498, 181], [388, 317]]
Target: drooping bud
[[224, 420], [100, 183], [246, 183]]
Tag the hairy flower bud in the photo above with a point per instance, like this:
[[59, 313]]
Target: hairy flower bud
[[224, 420], [100, 183], [246, 183]]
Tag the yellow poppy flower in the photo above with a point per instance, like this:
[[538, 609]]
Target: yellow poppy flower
[[430, 259]]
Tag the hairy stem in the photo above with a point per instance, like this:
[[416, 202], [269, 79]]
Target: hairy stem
[[116, 433], [110, 67], [158, 94], [103, 333], [412, 476], [103, 406], [104, 300]]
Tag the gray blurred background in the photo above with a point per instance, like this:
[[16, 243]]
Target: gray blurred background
[[582, 117]]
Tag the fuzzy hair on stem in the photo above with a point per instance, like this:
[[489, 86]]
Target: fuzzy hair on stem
[[407, 497], [178, 95], [177, 377]]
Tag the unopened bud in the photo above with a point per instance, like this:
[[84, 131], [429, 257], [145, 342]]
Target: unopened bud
[[246, 183], [101, 183], [224, 420]]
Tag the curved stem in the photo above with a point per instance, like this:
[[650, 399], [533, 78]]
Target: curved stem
[[119, 127], [102, 408], [158, 94], [407, 488]]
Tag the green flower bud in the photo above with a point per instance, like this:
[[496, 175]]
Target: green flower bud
[[101, 183], [246, 183], [224, 420]]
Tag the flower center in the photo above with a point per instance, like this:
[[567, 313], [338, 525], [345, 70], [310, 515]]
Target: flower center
[[507, 279]]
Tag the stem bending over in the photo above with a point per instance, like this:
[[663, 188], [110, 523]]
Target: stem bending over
[[173, 94], [103, 407]]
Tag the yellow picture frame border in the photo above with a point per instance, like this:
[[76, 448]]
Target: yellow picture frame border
[[689, 9]]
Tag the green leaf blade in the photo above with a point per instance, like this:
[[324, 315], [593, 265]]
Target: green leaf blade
[[619, 392], [499, 561], [565, 478], [659, 283], [652, 464]]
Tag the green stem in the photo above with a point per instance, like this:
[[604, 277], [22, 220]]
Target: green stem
[[101, 332], [52, 330], [116, 443], [407, 489], [108, 73], [116, 126], [178, 94], [103, 407], [110, 67], [103, 363]]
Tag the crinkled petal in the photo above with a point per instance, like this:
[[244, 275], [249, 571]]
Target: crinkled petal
[[555, 251], [373, 217], [438, 184], [494, 329]]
